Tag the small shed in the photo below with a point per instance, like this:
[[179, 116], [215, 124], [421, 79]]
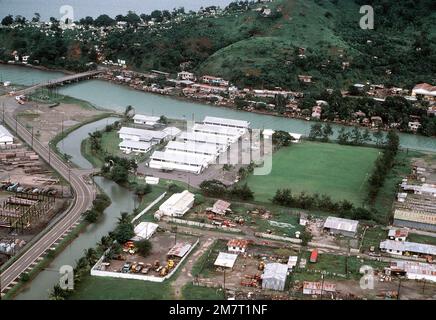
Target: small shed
[[144, 230], [179, 250], [342, 226], [398, 234], [274, 276], [318, 287], [221, 207], [292, 262]]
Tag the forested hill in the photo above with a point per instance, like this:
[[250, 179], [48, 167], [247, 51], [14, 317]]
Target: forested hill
[[257, 44]]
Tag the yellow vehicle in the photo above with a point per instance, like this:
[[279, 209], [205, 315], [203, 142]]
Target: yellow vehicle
[[261, 266], [170, 264], [163, 272]]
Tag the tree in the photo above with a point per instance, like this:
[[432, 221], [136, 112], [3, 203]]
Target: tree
[[244, 192], [91, 256], [315, 131], [8, 20], [58, 293], [163, 120], [37, 17], [305, 237], [144, 247], [343, 136], [104, 21], [142, 189], [282, 138], [119, 174], [124, 232], [214, 188], [356, 137], [327, 131], [378, 136], [91, 216]]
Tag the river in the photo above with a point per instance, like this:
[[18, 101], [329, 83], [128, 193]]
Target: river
[[116, 97], [83, 8], [123, 200]]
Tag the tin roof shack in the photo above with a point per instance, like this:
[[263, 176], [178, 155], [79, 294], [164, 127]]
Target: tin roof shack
[[237, 245], [150, 121], [318, 288], [292, 262], [226, 260], [413, 270], [274, 276], [5, 136], [342, 226], [221, 207], [398, 234], [178, 204], [179, 250], [408, 248]]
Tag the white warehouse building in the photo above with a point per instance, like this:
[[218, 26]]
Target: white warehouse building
[[224, 122], [232, 133], [207, 150], [220, 141], [134, 134], [178, 204], [145, 120], [169, 160], [135, 146]]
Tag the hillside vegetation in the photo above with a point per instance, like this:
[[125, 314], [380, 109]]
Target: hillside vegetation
[[257, 44]]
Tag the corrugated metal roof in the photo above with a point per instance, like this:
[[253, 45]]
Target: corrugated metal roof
[[180, 157], [142, 117], [143, 132], [135, 144], [341, 224], [420, 217], [213, 129], [275, 270], [404, 246], [180, 249], [238, 243], [5, 132]]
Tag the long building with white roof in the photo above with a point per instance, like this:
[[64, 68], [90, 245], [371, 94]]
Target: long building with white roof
[[169, 160], [232, 133], [192, 147], [224, 122], [127, 133], [145, 120], [222, 142]]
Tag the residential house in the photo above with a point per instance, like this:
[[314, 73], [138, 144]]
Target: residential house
[[342, 226], [237, 245]]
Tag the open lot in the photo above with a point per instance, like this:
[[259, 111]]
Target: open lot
[[325, 168]]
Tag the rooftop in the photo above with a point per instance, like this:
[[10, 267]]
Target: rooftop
[[143, 133], [135, 144], [179, 249], [226, 260], [225, 121], [180, 157], [408, 246], [4, 132], [239, 243], [146, 118], [191, 146], [341, 224], [204, 137], [275, 271]]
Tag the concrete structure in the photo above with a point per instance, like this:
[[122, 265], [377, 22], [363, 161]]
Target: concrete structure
[[170, 160], [274, 276], [178, 204], [224, 122], [237, 245], [184, 75], [226, 260], [413, 270], [5, 136], [144, 230], [135, 146], [145, 120], [134, 134], [426, 90], [342, 226], [407, 248]]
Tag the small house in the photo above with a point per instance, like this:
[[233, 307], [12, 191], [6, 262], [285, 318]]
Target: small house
[[237, 245], [341, 226], [5, 136], [398, 234], [305, 78], [317, 288], [221, 207], [226, 260]]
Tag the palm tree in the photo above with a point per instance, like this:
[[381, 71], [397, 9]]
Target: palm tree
[[91, 255], [124, 218], [57, 293]]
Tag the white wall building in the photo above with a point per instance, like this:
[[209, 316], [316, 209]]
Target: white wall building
[[178, 204], [224, 122], [170, 160], [5, 136], [232, 133], [145, 120], [134, 134], [135, 146], [220, 141]]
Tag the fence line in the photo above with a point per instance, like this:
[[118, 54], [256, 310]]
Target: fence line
[[151, 205]]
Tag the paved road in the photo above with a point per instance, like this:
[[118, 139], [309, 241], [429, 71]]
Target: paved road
[[84, 194]]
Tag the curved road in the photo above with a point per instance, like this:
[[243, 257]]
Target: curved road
[[84, 194]]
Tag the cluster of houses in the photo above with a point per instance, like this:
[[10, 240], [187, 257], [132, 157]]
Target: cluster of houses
[[194, 150], [416, 202]]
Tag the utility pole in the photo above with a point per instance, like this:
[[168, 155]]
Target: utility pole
[[32, 137], [322, 285], [399, 288]]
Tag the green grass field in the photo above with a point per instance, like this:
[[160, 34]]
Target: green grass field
[[324, 168]]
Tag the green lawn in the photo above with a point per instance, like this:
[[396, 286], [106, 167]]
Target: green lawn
[[99, 288], [191, 292], [324, 168]]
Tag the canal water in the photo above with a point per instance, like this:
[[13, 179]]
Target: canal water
[[116, 97], [123, 200]]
